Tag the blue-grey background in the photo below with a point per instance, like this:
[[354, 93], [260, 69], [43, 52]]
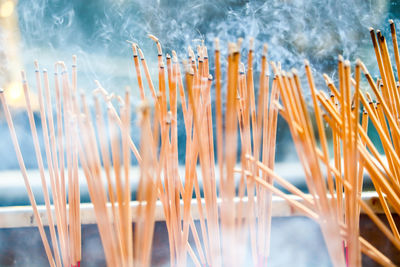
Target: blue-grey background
[[96, 31]]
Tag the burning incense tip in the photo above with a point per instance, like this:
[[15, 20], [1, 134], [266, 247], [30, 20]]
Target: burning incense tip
[[134, 49], [205, 52], [239, 43], [216, 44], [36, 63], [265, 50], [371, 29], [232, 48], [328, 80], [364, 69], [347, 64], [63, 66], [340, 58], [391, 21], [174, 57], [368, 96], [306, 63], [199, 52], [190, 52], [241, 68], [155, 39], [152, 37], [358, 62], [141, 54], [144, 105], [251, 44]]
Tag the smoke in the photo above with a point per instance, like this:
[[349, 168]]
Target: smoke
[[97, 30]]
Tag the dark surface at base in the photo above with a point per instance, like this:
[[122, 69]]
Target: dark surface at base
[[295, 241]]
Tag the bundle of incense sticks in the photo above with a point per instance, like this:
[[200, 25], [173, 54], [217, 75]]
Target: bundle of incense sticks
[[336, 202], [233, 200], [221, 227], [61, 153]]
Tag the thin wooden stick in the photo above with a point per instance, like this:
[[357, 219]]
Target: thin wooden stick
[[26, 180], [41, 169]]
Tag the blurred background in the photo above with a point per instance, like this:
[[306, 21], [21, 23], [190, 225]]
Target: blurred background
[[96, 31]]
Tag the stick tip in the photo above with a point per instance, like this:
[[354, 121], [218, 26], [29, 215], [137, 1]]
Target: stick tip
[[62, 64], [36, 63], [239, 43], [191, 52], [232, 48], [347, 63], [174, 56], [155, 39], [144, 107], [134, 48], [265, 50], [216, 44], [140, 53], [205, 52], [1, 90], [327, 79], [391, 21], [199, 53], [340, 58], [364, 69], [251, 44], [306, 63], [241, 68], [152, 37], [371, 29]]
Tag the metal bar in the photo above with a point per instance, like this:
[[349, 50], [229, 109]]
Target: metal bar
[[14, 217]]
